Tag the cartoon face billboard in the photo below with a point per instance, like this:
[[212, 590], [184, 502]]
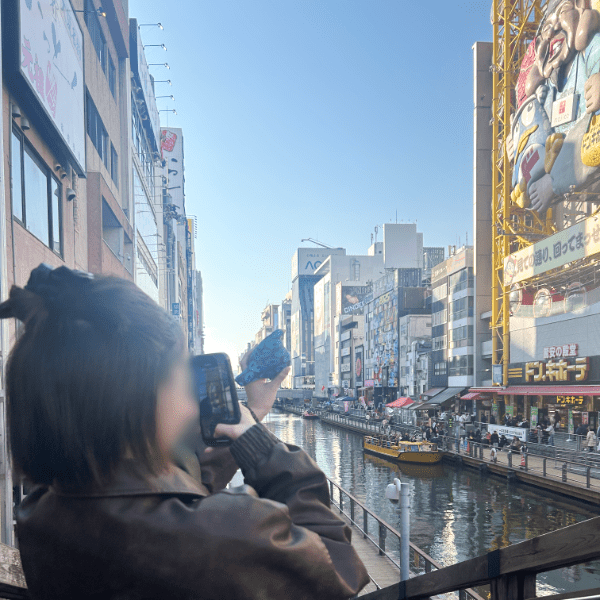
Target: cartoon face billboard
[[554, 143]]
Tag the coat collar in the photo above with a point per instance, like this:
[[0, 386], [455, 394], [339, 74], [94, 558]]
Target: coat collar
[[131, 481]]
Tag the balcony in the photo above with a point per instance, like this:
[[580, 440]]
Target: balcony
[[486, 349]]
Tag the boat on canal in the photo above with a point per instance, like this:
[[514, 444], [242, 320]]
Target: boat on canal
[[309, 415], [403, 452]]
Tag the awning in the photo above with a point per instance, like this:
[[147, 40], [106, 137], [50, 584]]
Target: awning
[[417, 406], [400, 403], [442, 397], [432, 392], [471, 396], [551, 390], [486, 390]]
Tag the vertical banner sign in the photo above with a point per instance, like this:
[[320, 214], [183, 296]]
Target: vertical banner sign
[[571, 427], [346, 405], [51, 62], [190, 286], [358, 366], [534, 416]]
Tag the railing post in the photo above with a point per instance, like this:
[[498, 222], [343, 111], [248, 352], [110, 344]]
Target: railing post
[[462, 595], [341, 501], [382, 534], [365, 523], [564, 472], [352, 510], [526, 461], [510, 459], [544, 466], [481, 451], [331, 490], [588, 477]]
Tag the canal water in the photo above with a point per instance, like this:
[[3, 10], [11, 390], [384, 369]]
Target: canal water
[[456, 513]]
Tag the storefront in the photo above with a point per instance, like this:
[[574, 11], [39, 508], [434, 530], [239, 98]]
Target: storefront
[[559, 390], [565, 407], [484, 403]]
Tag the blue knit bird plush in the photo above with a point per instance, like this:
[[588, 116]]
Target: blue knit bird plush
[[268, 359]]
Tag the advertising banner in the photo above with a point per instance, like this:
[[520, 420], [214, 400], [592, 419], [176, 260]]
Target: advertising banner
[[509, 432], [319, 316], [171, 145], [358, 366], [354, 299], [534, 416], [578, 241], [51, 62], [306, 261], [346, 405]]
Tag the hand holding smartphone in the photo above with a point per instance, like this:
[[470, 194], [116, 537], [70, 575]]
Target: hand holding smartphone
[[215, 391]]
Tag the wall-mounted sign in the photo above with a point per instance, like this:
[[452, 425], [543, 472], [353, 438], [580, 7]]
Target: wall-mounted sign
[[562, 350], [345, 368], [575, 242], [345, 352], [51, 62], [175, 309], [570, 400], [557, 370]]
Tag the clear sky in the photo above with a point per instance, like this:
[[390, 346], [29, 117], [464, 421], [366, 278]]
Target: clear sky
[[313, 118]]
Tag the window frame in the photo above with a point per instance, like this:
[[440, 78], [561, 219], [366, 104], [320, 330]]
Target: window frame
[[26, 147]]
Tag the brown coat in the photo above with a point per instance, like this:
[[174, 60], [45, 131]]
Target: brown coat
[[169, 537]]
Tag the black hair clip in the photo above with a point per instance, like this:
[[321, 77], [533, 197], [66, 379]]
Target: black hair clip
[[51, 284]]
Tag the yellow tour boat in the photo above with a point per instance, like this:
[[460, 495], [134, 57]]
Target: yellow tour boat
[[410, 452]]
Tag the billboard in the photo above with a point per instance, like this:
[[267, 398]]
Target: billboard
[[319, 317], [578, 241], [358, 366], [171, 145], [51, 62], [139, 66], [554, 143], [306, 261], [354, 299]]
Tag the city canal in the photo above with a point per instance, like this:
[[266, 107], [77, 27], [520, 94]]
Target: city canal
[[456, 513]]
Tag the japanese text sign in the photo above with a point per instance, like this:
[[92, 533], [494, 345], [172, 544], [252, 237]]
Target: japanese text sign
[[573, 243]]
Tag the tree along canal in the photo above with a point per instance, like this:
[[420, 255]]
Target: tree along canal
[[456, 512]]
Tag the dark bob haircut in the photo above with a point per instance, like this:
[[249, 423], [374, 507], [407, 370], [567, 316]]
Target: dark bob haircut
[[83, 378]]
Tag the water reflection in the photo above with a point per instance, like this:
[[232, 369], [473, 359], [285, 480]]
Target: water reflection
[[456, 513]]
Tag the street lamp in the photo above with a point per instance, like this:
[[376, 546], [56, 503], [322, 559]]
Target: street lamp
[[163, 81], [159, 25], [166, 65], [171, 110], [155, 46], [399, 492], [158, 97]]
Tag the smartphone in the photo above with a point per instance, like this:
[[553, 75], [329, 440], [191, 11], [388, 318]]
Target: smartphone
[[214, 389]]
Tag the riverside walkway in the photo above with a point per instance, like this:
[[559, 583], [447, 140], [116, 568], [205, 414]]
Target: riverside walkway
[[574, 474]]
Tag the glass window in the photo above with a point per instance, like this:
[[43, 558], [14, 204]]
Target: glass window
[[98, 40], [112, 77], [36, 198], [55, 200], [97, 131], [114, 165], [15, 177]]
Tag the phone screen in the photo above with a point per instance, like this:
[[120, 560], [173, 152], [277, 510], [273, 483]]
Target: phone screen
[[216, 395]]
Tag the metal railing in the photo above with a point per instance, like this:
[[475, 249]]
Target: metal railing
[[359, 515], [581, 471], [367, 426]]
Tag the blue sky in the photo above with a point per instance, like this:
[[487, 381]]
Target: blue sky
[[314, 118]]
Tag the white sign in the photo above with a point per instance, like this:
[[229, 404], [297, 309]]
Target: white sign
[[307, 260], [345, 352], [345, 384], [51, 61], [563, 350], [171, 146], [563, 110], [345, 336], [345, 367], [509, 432]]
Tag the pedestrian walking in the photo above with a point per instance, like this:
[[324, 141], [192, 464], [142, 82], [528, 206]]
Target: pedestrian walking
[[591, 440]]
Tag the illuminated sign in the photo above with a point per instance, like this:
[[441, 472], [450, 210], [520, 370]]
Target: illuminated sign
[[570, 400], [557, 370]]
